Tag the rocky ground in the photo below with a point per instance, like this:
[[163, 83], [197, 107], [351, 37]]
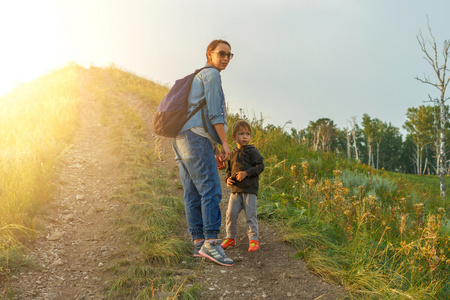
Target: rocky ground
[[78, 238]]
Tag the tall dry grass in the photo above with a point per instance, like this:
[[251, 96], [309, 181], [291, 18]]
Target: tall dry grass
[[376, 235], [37, 121], [153, 219]]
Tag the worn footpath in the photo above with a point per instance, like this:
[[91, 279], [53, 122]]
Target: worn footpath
[[78, 239]]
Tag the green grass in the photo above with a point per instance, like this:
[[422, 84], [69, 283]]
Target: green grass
[[153, 222], [378, 234], [430, 185]]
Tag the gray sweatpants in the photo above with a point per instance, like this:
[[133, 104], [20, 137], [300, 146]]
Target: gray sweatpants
[[237, 203]]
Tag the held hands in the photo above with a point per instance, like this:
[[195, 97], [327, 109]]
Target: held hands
[[220, 163], [226, 153], [223, 156]]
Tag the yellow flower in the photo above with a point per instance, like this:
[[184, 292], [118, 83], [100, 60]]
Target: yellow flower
[[337, 173]]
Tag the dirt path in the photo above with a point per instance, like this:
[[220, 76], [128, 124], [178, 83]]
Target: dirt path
[[271, 273], [73, 249], [79, 237]]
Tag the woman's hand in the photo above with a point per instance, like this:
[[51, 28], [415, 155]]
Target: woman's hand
[[226, 153]]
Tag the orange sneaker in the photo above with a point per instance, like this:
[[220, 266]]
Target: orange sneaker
[[228, 242], [254, 245]]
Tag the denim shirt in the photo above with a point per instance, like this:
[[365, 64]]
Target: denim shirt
[[207, 85]]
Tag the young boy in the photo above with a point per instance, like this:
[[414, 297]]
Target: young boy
[[242, 176]]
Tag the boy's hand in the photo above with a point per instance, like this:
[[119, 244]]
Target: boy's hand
[[230, 182], [241, 175]]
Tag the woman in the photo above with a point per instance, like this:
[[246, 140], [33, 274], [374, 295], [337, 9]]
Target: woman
[[198, 157]]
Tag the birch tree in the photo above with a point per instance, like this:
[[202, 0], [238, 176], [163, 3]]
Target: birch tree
[[432, 56], [348, 139], [323, 132], [354, 135], [379, 135], [369, 133], [420, 127]]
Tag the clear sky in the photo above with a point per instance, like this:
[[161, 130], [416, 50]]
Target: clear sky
[[297, 60]]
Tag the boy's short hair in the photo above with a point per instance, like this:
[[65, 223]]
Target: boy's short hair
[[241, 124]]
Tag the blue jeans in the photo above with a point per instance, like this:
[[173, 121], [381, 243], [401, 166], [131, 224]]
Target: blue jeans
[[201, 183]]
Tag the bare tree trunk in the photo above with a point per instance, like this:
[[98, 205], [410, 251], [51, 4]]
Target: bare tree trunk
[[436, 143], [378, 154], [418, 159], [356, 147], [373, 164], [441, 85], [425, 168], [438, 158], [316, 139], [347, 136], [354, 138], [442, 144]]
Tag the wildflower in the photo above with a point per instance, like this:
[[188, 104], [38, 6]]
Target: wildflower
[[337, 173], [305, 164], [372, 199], [402, 223], [419, 206], [294, 171], [310, 183]]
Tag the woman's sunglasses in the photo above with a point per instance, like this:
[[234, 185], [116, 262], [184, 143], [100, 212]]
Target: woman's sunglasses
[[223, 54]]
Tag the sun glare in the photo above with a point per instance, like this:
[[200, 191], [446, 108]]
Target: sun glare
[[29, 35]]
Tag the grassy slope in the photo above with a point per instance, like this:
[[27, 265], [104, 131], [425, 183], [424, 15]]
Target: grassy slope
[[365, 229], [37, 121], [377, 234], [427, 183], [153, 268]]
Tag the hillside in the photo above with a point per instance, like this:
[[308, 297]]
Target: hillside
[[90, 238], [92, 208]]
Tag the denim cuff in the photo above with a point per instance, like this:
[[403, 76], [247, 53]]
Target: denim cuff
[[211, 234], [197, 235]]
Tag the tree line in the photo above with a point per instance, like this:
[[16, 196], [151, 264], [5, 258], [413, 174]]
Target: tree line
[[380, 144]]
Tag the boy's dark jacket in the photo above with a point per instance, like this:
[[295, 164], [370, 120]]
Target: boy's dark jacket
[[246, 159]]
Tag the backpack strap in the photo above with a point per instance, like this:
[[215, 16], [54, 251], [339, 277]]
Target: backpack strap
[[201, 105], [203, 118], [196, 110]]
